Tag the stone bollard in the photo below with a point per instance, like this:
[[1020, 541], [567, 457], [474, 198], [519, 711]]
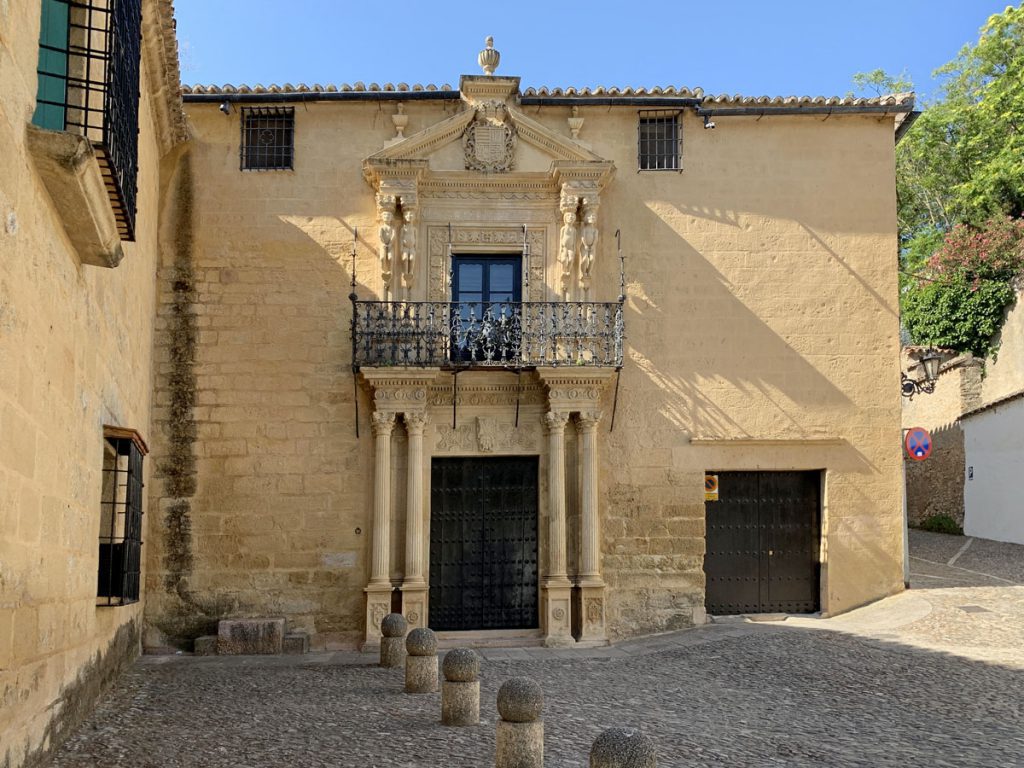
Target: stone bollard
[[520, 732], [623, 748], [392, 645], [460, 691], [421, 663]]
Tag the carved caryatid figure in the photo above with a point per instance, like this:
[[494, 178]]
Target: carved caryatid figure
[[387, 242], [588, 246], [567, 248], [408, 249]]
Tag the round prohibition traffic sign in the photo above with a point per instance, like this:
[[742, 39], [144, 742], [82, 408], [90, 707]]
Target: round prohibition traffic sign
[[918, 443]]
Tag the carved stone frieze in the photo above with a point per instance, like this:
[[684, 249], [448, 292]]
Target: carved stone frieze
[[487, 434], [384, 394], [529, 394]]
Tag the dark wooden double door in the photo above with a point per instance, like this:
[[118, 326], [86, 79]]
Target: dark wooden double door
[[763, 543], [483, 543]]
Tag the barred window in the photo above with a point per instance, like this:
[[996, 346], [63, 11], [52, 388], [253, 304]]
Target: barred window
[[659, 141], [88, 84], [268, 138], [120, 518]]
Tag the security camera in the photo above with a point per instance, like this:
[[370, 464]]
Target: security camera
[[708, 122], [225, 107]]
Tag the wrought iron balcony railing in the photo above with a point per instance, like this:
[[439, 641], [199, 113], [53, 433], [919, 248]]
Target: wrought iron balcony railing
[[448, 334]]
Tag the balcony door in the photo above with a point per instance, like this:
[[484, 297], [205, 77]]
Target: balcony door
[[487, 290]]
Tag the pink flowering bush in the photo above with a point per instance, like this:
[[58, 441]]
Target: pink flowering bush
[[995, 251], [960, 299]]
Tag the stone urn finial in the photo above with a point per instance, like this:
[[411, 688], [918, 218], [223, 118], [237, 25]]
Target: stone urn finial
[[489, 57]]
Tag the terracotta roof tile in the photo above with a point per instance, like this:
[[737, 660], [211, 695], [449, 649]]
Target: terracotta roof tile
[[720, 100]]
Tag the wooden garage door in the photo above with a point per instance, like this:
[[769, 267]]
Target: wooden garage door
[[763, 542]]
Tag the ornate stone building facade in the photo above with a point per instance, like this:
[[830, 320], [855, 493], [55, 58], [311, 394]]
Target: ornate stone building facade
[[424, 380], [529, 366]]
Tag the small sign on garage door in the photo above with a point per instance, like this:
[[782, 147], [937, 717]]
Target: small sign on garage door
[[710, 487]]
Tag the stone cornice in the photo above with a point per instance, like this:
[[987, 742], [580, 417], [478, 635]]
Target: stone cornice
[[160, 58]]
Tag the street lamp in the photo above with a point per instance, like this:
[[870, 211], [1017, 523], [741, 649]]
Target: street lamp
[[930, 361]]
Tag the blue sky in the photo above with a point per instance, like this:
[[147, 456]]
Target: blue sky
[[754, 47]]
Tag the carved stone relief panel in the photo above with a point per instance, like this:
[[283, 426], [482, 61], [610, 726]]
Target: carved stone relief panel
[[504, 236], [488, 434]]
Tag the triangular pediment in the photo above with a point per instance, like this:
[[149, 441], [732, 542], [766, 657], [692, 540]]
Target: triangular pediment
[[425, 143]]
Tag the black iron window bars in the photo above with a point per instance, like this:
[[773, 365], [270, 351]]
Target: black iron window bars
[[120, 519], [268, 139], [659, 141], [89, 85], [449, 334]]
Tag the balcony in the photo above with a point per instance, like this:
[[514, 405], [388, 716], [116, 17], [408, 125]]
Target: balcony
[[455, 335]]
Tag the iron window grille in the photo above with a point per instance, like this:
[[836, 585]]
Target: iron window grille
[[120, 519], [268, 139], [89, 53], [659, 141]]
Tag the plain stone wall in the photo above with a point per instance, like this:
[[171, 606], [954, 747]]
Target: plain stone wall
[[761, 306], [75, 353], [1005, 374]]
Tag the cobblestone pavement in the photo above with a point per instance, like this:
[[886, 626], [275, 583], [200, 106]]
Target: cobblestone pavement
[[932, 677]]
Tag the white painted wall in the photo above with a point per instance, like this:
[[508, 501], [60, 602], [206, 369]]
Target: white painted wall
[[994, 496]]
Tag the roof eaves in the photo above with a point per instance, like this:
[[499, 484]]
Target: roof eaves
[[994, 404]]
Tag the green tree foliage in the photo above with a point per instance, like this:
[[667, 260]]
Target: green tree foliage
[[962, 163]]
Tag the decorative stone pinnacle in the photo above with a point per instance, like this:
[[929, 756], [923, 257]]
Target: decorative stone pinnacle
[[489, 57]]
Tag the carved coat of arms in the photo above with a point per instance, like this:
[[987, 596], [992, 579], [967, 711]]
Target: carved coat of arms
[[490, 140]]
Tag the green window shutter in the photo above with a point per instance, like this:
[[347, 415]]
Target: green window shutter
[[53, 66]]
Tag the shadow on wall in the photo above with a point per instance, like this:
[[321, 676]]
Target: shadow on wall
[[713, 358]]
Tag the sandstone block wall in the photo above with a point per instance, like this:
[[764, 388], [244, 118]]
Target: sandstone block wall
[[75, 354], [762, 334]]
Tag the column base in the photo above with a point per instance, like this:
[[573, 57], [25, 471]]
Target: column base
[[592, 613], [414, 604], [556, 599], [378, 605]]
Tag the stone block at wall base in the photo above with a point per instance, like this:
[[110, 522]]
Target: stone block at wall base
[[237, 637], [296, 643], [205, 646]]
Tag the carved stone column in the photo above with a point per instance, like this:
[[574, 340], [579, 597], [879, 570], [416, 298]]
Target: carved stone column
[[414, 586], [557, 587], [378, 591], [580, 390], [396, 391], [590, 581]]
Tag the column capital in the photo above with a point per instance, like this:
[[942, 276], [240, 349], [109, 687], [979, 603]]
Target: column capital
[[555, 421], [415, 421], [587, 420], [383, 423]]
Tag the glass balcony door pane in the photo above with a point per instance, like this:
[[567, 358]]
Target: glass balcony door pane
[[483, 287]]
